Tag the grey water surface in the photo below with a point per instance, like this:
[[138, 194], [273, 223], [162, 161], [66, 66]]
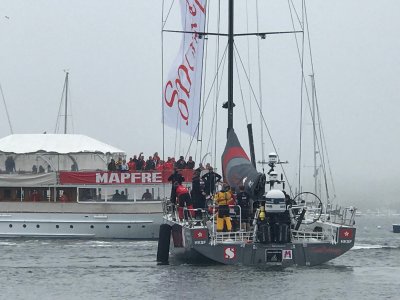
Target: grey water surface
[[121, 269]]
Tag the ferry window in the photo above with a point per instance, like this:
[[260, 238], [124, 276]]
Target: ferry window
[[37, 226], [107, 226], [89, 194], [119, 193], [91, 226], [57, 226], [7, 194], [71, 226], [148, 193], [24, 225], [10, 225]]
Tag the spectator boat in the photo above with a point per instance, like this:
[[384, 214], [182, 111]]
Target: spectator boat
[[41, 197]]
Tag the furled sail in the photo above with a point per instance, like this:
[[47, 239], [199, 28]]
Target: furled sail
[[238, 170], [182, 87]]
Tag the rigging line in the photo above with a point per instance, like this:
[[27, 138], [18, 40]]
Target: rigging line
[[223, 60], [325, 150], [216, 104], [323, 141], [204, 86], [213, 83], [59, 108], [264, 121], [5, 107], [248, 56], [241, 91], [217, 84], [162, 81], [260, 88], [178, 134], [301, 60], [215, 116], [301, 97], [295, 10], [309, 41], [70, 106], [163, 23], [320, 140], [306, 88]]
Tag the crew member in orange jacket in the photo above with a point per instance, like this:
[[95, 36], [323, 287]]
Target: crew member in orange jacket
[[223, 198]]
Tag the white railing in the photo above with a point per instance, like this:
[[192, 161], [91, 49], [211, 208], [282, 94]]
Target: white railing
[[232, 237], [308, 235], [344, 216]]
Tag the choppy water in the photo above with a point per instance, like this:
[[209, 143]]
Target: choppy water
[[78, 269]]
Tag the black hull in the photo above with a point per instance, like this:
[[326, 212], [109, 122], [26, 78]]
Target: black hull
[[195, 251]]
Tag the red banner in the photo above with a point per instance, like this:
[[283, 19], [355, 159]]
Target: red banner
[[118, 178]]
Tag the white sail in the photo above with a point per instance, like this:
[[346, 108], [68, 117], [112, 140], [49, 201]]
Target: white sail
[[182, 87]]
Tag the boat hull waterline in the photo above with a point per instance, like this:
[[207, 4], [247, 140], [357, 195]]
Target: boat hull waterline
[[75, 220], [188, 247]]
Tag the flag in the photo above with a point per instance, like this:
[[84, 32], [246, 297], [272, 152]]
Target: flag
[[182, 87], [200, 234], [346, 233]]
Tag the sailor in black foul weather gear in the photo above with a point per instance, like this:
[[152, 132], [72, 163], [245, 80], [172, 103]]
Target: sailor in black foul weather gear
[[243, 200], [175, 178], [210, 179]]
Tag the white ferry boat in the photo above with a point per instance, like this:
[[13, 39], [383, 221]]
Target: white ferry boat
[[41, 197]]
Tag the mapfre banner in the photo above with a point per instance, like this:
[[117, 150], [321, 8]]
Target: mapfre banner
[[182, 88], [118, 178]]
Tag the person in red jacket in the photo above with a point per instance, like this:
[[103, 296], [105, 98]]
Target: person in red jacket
[[131, 164], [183, 196]]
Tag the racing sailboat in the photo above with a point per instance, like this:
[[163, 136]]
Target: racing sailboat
[[281, 233]]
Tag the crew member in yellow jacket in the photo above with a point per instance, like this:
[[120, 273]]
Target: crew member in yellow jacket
[[223, 198]]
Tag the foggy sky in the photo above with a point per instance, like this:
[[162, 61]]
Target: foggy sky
[[112, 50]]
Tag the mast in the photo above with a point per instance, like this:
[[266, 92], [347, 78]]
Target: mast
[[230, 66], [66, 103]]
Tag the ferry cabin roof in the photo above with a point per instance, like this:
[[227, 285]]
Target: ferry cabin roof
[[56, 152]]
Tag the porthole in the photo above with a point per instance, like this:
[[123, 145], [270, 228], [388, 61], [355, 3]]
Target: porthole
[[37, 226], [143, 226], [71, 226], [57, 226], [24, 225], [129, 226], [107, 226], [91, 226], [10, 225]]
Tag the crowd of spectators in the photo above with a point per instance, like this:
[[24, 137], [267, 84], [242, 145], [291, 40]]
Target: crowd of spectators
[[139, 163]]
